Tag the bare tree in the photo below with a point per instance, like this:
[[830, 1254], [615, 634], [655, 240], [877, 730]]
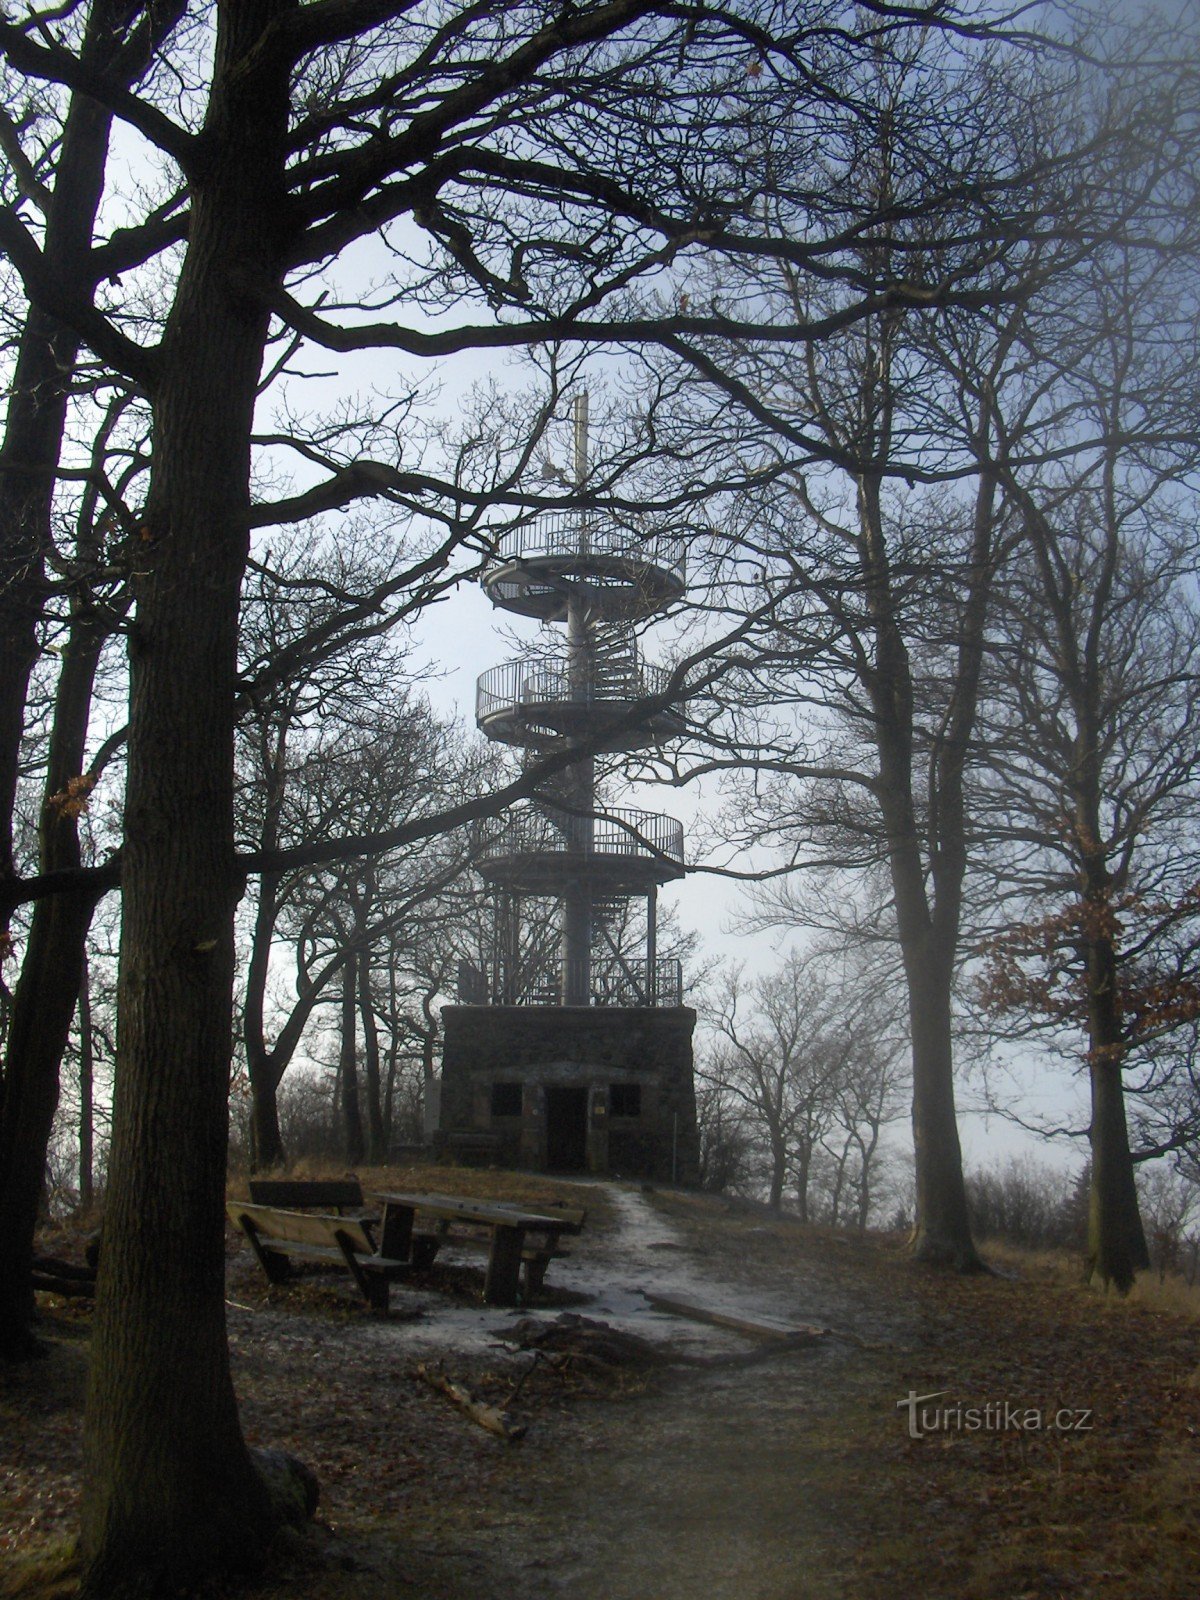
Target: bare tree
[[335, 735], [870, 1095], [799, 1054], [889, 507], [1092, 795], [59, 184], [539, 162]]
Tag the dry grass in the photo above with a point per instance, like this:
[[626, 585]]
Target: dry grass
[[1169, 1292], [416, 1500], [1004, 1514], [489, 1183]]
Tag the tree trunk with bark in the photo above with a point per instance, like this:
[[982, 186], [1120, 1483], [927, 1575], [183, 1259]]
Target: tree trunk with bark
[[87, 1081], [943, 1231], [377, 1129], [156, 1516], [1116, 1241], [352, 1122], [33, 439], [266, 1139], [37, 407], [49, 983], [778, 1173], [928, 934]]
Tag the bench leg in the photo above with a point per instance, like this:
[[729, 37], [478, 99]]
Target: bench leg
[[373, 1286], [535, 1275], [377, 1287], [425, 1247], [396, 1232], [502, 1284], [273, 1262]]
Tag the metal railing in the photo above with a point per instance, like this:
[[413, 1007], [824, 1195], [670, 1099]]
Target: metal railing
[[647, 835], [611, 981], [572, 535], [518, 685]]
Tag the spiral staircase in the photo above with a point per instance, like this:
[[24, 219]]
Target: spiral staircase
[[599, 696]]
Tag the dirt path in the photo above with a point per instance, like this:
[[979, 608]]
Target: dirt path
[[711, 1487], [699, 1474], [713, 1468]]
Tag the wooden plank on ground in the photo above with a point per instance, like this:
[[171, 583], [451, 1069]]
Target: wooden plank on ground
[[794, 1333], [487, 1416]]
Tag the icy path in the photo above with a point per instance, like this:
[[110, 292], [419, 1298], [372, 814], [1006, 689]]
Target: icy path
[[608, 1274]]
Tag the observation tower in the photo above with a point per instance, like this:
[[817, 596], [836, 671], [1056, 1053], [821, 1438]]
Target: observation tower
[[573, 1050]]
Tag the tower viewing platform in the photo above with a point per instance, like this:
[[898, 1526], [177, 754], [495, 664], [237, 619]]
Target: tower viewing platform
[[629, 573], [598, 695], [570, 1047]]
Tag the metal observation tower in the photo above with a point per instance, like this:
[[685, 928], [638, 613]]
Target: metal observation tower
[[595, 861]]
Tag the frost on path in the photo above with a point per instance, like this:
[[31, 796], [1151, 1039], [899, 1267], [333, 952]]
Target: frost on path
[[607, 1274]]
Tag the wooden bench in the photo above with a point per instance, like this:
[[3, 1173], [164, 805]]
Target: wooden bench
[[276, 1236], [518, 1239]]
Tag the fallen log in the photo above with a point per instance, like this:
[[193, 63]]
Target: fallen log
[[797, 1333], [487, 1416]]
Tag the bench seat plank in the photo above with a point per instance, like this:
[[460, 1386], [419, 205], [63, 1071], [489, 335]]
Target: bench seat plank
[[276, 1235]]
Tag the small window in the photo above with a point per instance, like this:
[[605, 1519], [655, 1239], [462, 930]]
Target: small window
[[506, 1099], [625, 1099]]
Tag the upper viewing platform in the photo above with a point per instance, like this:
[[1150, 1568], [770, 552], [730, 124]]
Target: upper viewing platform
[[534, 703], [540, 850], [627, 574]]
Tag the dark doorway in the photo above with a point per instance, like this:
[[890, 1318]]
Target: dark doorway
[[566, 1130]]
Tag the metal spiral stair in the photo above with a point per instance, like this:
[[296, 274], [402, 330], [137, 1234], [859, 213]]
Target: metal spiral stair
[[629, 573], [534, 703], [598, 695]]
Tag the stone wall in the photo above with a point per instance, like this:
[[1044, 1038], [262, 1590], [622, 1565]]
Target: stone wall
[[646, 1129]]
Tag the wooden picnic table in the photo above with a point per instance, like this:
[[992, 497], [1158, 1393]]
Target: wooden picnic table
[[507, 1227]]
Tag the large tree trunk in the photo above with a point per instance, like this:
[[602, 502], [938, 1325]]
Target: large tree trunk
[[29, 456], [170, 1491], [1116, 1243], [943, 1231], [928, 932], [266, 1137], [943, 1225], [28, 459]]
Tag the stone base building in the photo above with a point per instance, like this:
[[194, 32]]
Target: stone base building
[[572, 1088]]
